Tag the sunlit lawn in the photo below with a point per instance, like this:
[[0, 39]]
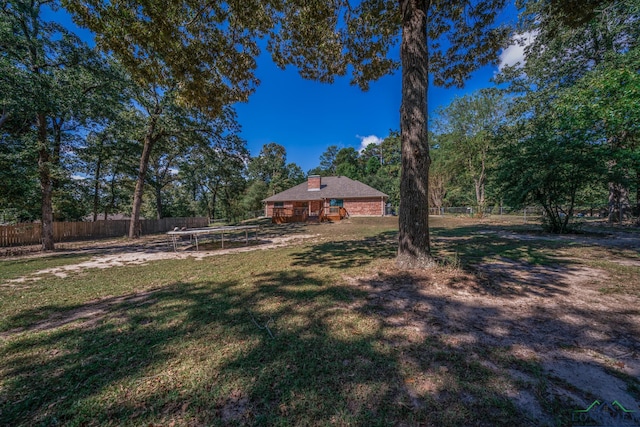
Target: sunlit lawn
[[283, 336]]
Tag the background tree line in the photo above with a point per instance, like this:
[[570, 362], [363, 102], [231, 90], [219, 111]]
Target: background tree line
[[139, 128], [560, 130], [81, 138], [201, 56]]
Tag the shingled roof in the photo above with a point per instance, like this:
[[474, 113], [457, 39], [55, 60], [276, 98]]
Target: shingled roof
[[332, 187]]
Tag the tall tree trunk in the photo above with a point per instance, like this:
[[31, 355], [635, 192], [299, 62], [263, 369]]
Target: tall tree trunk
[[638, 196], [46, 185], [618, 201], [109, 207], [56, 151], [414, 249], [149, 141], [481, 190], [158, 200], [480, 195], [214, 200], [96, 186]]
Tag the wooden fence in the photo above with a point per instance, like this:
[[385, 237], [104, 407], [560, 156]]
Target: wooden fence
[[30, 233]]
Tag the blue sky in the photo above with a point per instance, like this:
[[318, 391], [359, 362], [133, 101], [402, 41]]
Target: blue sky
[[306, 117]]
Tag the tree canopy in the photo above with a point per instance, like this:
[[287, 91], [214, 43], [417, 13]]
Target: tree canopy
[[444, 40], [52, 86], [90, 132]]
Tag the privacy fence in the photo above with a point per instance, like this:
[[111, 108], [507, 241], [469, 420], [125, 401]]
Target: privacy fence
[[30, 233]]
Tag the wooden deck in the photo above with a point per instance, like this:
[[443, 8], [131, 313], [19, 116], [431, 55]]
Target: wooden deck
[[286, 215]]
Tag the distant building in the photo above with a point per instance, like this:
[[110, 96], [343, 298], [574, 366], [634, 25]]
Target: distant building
[[324, 198]]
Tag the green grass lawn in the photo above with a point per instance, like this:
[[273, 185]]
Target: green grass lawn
[[285, 336]]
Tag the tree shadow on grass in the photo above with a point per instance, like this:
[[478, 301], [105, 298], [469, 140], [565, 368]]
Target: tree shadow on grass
[[390, 352], [52, 370], [491, 261], [347, 254], [500, 263], [12, 268], [553, 352], [202, 353], [290, 347]]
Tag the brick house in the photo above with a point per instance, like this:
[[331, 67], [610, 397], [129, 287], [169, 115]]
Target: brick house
[[325, 198]]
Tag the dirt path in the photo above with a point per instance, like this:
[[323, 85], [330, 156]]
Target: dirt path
[[115, 255]]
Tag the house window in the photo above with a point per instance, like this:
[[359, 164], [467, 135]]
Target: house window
[[336, 202], [278, 204]]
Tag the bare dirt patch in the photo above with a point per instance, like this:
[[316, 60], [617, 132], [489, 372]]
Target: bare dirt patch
[[548, 334], [85, 316], [611, 239], [143, 252], [586, 342], [556, 317]]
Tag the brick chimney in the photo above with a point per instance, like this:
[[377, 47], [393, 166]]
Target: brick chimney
[[314, 183]]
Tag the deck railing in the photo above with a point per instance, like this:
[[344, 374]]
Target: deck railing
[[300, 214], [336, 213], [284, 215]]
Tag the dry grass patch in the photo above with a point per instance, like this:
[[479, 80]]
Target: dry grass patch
[[516, 328]]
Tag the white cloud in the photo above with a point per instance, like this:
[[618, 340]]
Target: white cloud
[[514, 54], [366, 140]]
